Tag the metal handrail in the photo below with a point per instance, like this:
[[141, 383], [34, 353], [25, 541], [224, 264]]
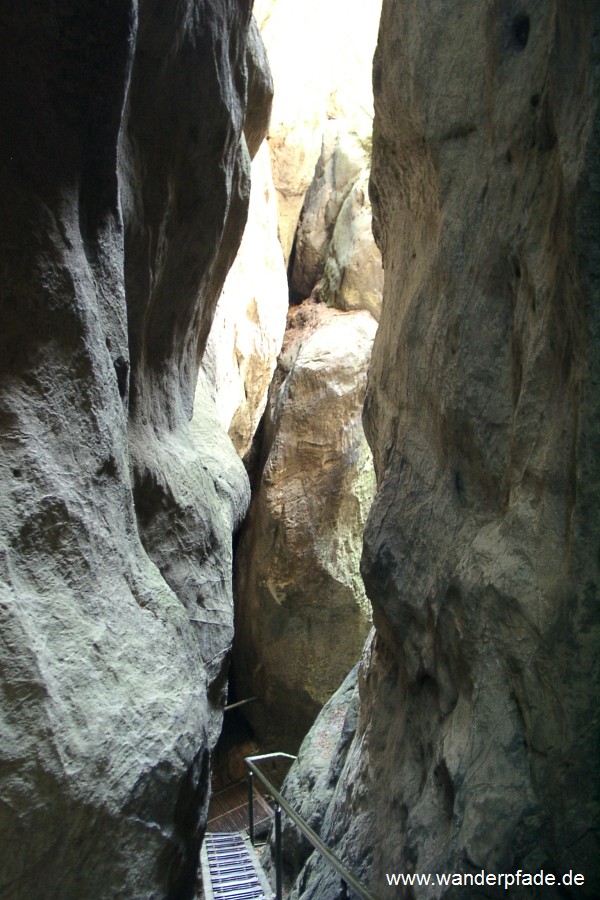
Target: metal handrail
[[304, 827], [239, 703]]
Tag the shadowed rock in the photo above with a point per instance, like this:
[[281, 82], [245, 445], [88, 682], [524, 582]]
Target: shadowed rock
[[124, 192], [477, 739]]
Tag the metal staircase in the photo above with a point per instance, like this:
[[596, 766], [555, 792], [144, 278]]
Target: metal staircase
[[230, 869]]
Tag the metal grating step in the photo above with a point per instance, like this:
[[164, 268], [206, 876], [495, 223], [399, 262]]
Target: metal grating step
[[230, 869]]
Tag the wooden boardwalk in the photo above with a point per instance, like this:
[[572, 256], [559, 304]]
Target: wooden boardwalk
[[228, 809]]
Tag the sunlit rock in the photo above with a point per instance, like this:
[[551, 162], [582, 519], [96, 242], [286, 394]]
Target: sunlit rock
[[335, 255], [249, 322], [353, 275], [332, 46]]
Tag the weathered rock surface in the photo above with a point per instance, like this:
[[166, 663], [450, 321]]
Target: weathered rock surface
[[301, 612], [353, 274], [477, 740], [249, 323], [342, 160], [332, 46], [336, 258], [260, 91], [124, 191]]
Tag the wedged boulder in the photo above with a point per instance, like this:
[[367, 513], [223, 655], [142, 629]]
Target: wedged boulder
[[477, 740], [342, 159], [124, 188], [353, 274], [332, 45], [301, 612], [249, 323]]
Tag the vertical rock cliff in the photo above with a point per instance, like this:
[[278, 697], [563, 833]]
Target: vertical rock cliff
[[125, 180], [249, 324], [476, 745]]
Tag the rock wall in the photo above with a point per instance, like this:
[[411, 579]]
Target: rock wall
[[125, 184], [311, 781], [476, 746], [249, 322]]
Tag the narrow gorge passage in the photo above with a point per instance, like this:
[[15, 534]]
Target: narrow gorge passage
[[286, 363], [183, 363]]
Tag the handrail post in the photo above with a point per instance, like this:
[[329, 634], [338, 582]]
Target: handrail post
[[278, 855], [251, 806]]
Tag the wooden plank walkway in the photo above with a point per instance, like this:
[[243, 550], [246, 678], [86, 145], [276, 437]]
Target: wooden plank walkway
[[228, 809]]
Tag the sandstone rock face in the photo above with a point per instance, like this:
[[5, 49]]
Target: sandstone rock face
[[343, 158], [335, 255], [124, 188], [249, 322], [477, 736], [301, 612], [332, 44], [353, 274]]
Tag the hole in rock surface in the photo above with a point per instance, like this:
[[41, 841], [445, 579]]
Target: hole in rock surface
[[520, 32]]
